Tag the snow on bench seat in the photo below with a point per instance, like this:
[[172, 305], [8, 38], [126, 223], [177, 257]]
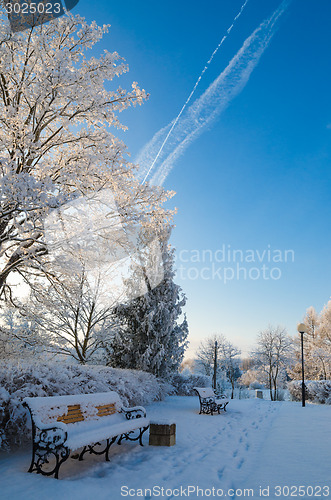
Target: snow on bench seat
[[90, 432], [61, 424]]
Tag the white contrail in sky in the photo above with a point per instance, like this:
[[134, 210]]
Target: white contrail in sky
[[210, 105], [194, 89]]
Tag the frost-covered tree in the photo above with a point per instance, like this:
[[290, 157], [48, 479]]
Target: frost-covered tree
[[325, 327], [206, 353], [317, 345], [254, 379], [273, 353], [57, 104], [20, 337], [70, 317], [230, 362], [152, 337], [315, 362], [321, 346], [311, 321], [227, 359]]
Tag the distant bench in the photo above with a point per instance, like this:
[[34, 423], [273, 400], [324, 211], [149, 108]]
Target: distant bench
[[209, 402], [62, 424]]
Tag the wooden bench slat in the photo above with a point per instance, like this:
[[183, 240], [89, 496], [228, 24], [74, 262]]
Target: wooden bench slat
[[70, 420], [74, 414], [105, 410]]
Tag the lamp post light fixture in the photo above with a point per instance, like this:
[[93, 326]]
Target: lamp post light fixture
[[302, 329]]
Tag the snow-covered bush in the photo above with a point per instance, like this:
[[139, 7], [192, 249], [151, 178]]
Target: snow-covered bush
[[294, 388], [184, 383], [281, 395], [320, 391], [241, 393], [317, 391], [20, 379]]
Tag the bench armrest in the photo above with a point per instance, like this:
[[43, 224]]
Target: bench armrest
[[47, 435], [208, 400], [40, 425], [134, 412], [221, 396]]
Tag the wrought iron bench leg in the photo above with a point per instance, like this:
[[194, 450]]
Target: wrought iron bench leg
[[64, 454], [109, 443], [127, 435], [39, 459], [33, 458], [142, 430], [92, 449]]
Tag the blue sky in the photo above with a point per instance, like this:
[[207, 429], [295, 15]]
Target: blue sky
[[258, 178]]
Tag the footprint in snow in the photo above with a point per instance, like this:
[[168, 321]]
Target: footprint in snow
[[101, 473], [220, 473], [240, 464]]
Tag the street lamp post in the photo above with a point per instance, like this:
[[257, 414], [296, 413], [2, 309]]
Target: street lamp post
[[215, 367], [302, 329]]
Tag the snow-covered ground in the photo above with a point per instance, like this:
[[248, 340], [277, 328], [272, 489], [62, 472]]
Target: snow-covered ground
[[255, 444]]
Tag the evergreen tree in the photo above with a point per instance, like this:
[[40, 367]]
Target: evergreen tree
[[149, 337]]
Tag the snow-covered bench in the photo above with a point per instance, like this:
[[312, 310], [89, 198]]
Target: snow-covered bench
[[209, 402], [62, 424]]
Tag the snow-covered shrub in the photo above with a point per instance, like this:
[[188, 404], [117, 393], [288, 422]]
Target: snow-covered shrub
[[320, 391], [21, 379], [317, 391], [184, 383], [241, 393], [294, 388], [281, 395]]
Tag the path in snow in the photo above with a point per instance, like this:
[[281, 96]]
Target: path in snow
[[255, 443]]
